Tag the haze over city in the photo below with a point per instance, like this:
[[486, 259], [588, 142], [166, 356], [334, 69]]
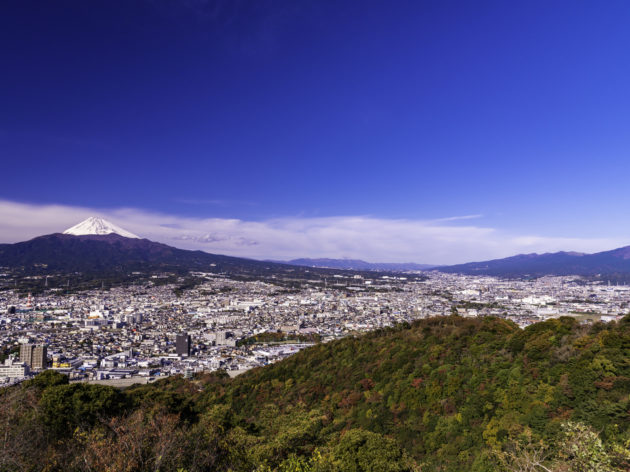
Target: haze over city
[[425, 132]]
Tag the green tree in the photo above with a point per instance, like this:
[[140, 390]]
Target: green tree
[[364, 451]]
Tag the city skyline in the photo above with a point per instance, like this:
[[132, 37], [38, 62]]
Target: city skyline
[[418, 132]]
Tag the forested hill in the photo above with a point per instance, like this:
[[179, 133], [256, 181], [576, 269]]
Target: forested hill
[[442, 394]]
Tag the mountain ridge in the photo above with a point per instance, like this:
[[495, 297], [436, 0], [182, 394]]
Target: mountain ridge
[[119, 259], [357, 264], [108, 253], [606, 263], [105, 247]]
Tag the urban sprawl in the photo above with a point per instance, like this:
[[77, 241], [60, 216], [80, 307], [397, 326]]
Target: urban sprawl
[[141, 333]]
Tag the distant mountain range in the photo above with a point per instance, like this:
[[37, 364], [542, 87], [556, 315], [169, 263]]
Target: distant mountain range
[[96, 247], [607, 263], [357, 264]]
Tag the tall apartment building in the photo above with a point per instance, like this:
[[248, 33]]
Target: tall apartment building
[[34, 355], [182, 344]]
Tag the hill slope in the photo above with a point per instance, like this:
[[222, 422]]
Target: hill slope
[[450, 389], [444, 394]]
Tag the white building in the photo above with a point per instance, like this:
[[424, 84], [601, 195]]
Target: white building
[[13, 369]]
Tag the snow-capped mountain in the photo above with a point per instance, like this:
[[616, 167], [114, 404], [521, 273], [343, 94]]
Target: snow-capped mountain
[[98, 226], [89, 255]]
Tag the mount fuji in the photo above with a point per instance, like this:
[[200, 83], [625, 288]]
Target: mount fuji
[[95, 225]]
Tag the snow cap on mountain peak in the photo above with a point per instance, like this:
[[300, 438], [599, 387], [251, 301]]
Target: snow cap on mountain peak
[[95, 225]]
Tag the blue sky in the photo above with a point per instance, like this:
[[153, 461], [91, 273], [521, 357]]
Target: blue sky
[[517, 113]]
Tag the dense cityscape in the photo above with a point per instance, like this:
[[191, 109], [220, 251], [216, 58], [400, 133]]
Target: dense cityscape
[[138, 333]]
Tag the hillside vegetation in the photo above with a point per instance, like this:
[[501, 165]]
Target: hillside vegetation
[[442, 394]]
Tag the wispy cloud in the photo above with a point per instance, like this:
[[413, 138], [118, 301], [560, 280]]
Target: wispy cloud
[[458, 218], [440, 241], [214, 202]]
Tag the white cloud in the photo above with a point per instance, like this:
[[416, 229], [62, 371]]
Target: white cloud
[[438, 241], [456, 218]]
